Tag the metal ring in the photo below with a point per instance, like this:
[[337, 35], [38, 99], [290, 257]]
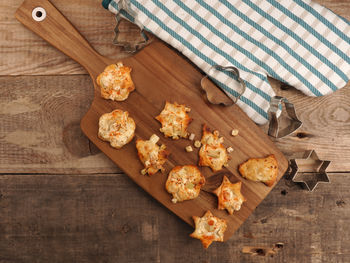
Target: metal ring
[[39, 14]]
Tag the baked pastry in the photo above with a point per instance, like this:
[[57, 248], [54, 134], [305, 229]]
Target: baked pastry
[[209, 228], [260, 169], [116, 127], [184, 182], [151, 155], [229, 196], [212, 153], [174, 120], [115, 82]]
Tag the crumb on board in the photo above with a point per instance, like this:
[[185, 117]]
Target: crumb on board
[[197, 144], [154, 138], [191, 137], [189, 148], [234, 132]]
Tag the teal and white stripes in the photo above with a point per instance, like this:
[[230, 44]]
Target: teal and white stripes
[[295, 41]]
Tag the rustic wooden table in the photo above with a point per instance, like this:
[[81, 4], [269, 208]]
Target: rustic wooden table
[[61, 200]]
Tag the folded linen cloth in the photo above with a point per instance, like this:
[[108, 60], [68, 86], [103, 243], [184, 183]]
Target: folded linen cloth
[[298, 42]]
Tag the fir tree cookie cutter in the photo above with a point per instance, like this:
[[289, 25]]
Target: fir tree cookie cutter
[[125, 11]]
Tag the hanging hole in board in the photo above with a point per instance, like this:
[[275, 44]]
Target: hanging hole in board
[[39, 14]]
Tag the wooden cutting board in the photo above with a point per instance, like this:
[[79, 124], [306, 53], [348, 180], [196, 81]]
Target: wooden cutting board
[[160, 74]]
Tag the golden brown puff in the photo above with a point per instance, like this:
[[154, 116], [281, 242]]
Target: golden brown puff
[[116, 127], [260, 169], [151, 155], [209, 228], [212, 153], [115, 82], [184, 182], [229, 196], [174, 120]]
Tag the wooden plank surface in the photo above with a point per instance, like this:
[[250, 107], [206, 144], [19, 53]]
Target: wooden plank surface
[[35, 139], [160, 74], [326, 126], [23, 53], [75, 218], [40, 126], [107, 218]]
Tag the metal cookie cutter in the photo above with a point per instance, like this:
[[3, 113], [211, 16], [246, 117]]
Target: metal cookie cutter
[[309, 179], [126, 11], [295, 123], [215, 95]]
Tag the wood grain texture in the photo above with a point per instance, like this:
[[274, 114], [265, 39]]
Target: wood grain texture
[[60, 33], [40, 126], [157, 72], [326, 126], [54, 143], [23, 53], [86, 218], [106, 218]]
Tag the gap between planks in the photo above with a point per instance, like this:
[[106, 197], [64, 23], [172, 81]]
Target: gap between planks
[[90, 218], [118, 174], [54, 142]]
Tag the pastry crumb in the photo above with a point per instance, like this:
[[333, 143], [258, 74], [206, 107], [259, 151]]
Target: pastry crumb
[[234, 132], [191, 137], [189, 148], [197, 144], [230, 149]]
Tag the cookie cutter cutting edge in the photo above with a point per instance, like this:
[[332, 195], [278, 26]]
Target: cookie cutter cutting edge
[[320, 175], [275, 103], [235, 72], [295, 123], [124, 6], [274, 110]]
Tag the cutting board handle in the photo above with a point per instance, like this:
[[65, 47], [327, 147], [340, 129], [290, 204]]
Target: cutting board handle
[[44, 19]]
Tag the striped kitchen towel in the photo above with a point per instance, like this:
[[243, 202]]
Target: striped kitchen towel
[[297, 42]]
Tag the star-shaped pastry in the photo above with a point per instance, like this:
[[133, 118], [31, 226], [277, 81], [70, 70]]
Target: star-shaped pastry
[[209, 228], [229, 196], [317, 172], [175, 120]]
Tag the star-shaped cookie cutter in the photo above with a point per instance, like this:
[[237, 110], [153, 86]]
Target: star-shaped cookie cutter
[[310, 179]]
